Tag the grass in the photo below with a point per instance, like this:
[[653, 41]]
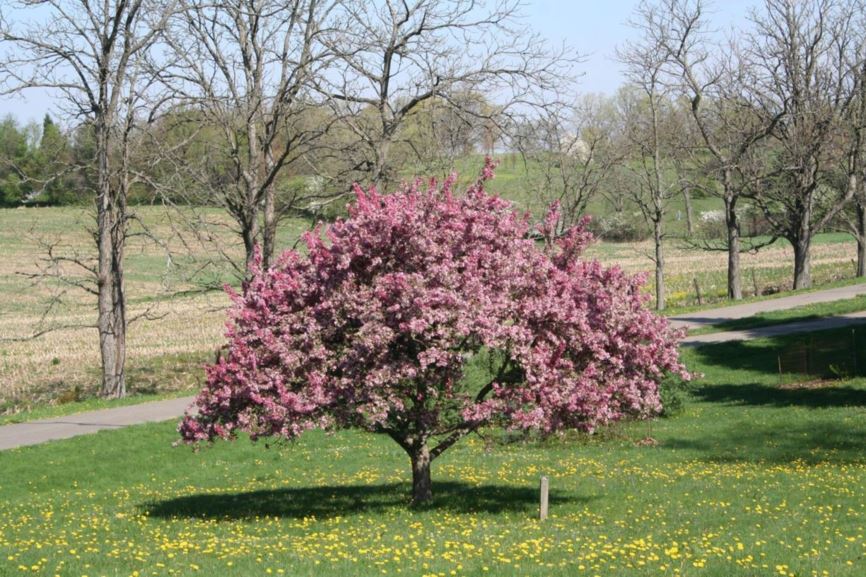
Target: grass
[[802, 313], [754, 477]]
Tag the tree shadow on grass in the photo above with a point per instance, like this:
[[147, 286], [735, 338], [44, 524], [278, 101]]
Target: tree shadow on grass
[[804, 361], [341, 500], [760, 357], [810, 443], [821, 396]]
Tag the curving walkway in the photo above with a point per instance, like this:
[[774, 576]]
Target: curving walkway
[[51, 429], [834, 322], [713, 316]]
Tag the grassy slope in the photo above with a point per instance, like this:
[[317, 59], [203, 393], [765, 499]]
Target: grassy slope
[[752, 479]]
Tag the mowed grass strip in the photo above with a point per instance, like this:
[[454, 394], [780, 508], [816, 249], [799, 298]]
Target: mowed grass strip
[[754, 477], [797, 314]]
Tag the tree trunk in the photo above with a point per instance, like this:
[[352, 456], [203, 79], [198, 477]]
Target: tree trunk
[[269, 232], [380, 176], [111, 299], [112, 336], [861, 239], [250, 232], [660, 264], [802, 261], [735, 288], [687, 197], [422, 486]]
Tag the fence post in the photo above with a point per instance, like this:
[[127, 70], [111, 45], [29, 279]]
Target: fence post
[[545, 487]]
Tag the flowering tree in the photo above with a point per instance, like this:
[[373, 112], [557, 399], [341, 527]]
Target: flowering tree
[[376, 325]]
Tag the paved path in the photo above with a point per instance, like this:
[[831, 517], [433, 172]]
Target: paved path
[[834, 322], [713, 316], [34, 432]]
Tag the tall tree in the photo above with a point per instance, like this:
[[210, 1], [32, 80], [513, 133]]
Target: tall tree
[[393, 56], [712, 78], [647, 111], [853, 141], [93, 55], [246, 67], [803, 63]]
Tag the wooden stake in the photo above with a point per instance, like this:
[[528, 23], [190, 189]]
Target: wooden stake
[[545, 487], [698, 291]]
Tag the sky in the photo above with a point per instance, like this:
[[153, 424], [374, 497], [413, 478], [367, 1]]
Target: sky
[[593, 28]]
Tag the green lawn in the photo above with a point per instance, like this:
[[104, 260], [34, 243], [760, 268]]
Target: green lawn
[[754, 477]]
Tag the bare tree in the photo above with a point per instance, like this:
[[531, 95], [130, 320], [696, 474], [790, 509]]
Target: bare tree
[[800, 54], [244, 70], [853, 137], [440, 131], [713, 79], [573, 151], [395, 55], [93, 55], [648, 111]]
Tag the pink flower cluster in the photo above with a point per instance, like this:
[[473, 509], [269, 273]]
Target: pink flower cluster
[[375, 327]]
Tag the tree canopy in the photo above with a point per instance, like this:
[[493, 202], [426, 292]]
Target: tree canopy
[[376, 325]]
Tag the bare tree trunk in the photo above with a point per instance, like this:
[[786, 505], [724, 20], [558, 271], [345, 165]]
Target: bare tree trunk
[[803, 260], [112, 331], [658, 235], [687, 197], [269, 232], [735, 288], [380, 168], [111, 299], [861, 239], [250, 233], [422, 486]]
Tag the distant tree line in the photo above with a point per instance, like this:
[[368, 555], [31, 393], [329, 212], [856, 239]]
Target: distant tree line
[[38, 163]]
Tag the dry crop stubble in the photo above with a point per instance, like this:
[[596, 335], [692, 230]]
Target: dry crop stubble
[[772, 266], [177, 326]]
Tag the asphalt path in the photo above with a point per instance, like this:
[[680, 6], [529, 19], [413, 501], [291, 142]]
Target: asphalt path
[[715, 316], [34, 432], [822, 324]]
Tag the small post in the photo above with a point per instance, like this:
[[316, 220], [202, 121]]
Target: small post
[[545, 488], [779, 358], [698, 291]]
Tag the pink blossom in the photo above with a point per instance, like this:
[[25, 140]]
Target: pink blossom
[[375, 326]]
